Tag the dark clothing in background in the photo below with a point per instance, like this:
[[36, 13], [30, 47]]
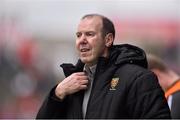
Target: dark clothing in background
[[175, 108], [135, 94]]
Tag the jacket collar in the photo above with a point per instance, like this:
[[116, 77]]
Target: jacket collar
[[119, 54], [125, 53], [70, 68]]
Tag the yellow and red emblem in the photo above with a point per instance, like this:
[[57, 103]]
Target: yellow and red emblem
[[114, 83]]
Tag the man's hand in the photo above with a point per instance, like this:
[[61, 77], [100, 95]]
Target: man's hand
[[73, 83]]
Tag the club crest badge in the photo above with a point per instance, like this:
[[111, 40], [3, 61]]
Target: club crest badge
[[114, 83]]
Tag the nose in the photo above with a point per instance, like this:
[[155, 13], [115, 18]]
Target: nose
[[83, 39]]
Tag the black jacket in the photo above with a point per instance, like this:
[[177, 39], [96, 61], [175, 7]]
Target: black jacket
[[135, 94]]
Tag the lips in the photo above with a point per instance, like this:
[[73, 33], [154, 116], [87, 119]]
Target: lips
[[84, 49]]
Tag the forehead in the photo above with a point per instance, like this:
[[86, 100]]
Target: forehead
[[93, 22]]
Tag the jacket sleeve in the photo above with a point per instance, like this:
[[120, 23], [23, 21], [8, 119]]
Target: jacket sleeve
[[146, 98], [52, 107]]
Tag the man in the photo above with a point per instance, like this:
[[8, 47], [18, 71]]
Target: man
[[109, 81], [169, 81]]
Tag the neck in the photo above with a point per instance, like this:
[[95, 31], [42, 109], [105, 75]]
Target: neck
[[173, 77], [105, 55]]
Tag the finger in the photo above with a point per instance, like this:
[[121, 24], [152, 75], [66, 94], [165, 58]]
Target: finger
[[83, 87], [84, 82], [80, 73], [83, 77]]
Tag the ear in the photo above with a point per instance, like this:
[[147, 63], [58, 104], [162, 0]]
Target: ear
[[109, 39]]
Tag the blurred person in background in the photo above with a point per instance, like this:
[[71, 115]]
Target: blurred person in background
[[169, 81], [109, 81], [25, 75]]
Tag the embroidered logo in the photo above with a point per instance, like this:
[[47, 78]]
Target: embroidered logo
[[114, 83]]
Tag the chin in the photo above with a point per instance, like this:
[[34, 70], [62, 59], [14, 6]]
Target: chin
[[88, 61], [85, 60]]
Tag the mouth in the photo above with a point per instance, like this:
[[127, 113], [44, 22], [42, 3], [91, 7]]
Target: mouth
[[83, 50]]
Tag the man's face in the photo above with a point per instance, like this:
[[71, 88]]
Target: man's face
[[89, 42]]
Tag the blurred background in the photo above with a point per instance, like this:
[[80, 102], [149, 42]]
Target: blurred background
[[36, 36]]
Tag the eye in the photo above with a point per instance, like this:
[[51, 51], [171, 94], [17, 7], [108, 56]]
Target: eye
[[90, 33], [78, 34]]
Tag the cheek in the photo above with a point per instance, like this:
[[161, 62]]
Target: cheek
[[77, 45], [99, 46]]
